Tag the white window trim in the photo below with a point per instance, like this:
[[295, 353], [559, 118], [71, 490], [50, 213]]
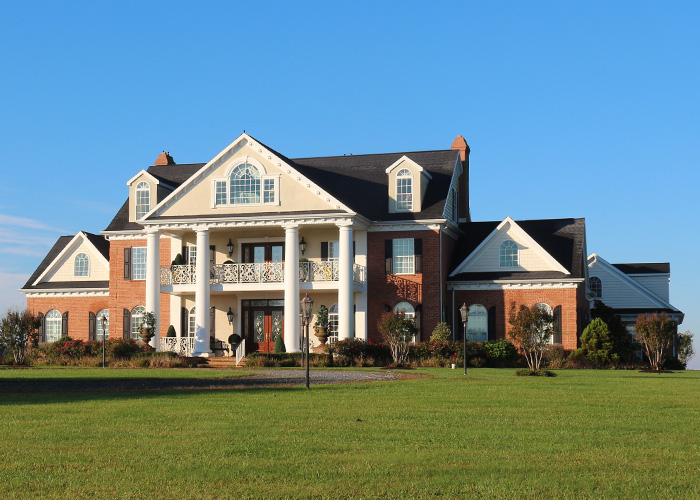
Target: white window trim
[[517, 254], [263, 178], [133, 263], [411, 192], [87, 275], [412, 256], [139, 187]]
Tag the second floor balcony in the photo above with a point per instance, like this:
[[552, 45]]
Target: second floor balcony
[[266, 272]]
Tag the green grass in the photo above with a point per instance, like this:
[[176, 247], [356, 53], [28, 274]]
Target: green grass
[[582, 434], [52, 373]]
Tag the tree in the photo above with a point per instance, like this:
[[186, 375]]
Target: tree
[[619, 336], [17, 328], [442, 332], [685, 347], [279, 345], [532, 329], [398, 332], [655, 332], [597, 342]]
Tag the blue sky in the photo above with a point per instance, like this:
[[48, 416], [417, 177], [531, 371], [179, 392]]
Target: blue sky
[[571, 109]]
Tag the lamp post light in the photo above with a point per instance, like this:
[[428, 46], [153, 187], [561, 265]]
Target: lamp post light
[[302, 247], [229, 315], [229, 247], [464, 311], [103, 320], [307, 304]]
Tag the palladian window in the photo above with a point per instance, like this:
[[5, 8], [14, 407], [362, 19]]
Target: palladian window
[[81, 266], [143, 199], [245, 184], [53, 326]]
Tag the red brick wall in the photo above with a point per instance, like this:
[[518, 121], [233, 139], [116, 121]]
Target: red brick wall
[[417, 289], [79, 309], [567, 298]]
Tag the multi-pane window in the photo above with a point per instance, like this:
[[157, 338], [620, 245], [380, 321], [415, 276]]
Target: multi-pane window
[[192, 327], [100, 330], [192, 255], [409, 313], [333, 321], [596, 286], [136, 320], [477, 324], [143, 199], [81, 266], [404, 258], [138, 265], [245, 184], [548, 309], [333, 250], [220, 192], [53, 326], [509, 254], [268, 190], [404, 190]]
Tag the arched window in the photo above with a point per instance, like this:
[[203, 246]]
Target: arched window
[[547, 308], [136, 320], [245, 184], [477, 324], [81, 266], [596, 286], [404, 190], [100, 330], [192, 327], [53, 326], [409, 313], [143, 199], [509, 254], [333, 321]]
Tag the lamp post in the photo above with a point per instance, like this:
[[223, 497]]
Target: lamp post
[[464, 311], [306, 305], [229, 316], [103, 320]]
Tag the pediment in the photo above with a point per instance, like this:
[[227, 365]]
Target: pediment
[[62, 268]]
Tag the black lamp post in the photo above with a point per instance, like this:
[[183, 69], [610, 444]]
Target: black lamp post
[[302, 247], [464, 311], [306, 305], [229, 247], [103, 320]]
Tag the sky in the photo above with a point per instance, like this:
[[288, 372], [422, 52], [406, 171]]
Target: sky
[[571, 109]]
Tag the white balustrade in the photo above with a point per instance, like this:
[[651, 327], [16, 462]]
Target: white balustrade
[[184, 346], [240, 351]]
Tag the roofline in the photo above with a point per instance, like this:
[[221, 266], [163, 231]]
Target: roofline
[[375, 154], [84, 237]]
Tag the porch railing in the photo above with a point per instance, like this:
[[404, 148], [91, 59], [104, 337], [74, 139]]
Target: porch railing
[[184, 346], [240, 351]]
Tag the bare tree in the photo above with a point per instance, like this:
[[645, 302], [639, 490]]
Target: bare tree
[[532, 329], [655, 332], [16, 329]]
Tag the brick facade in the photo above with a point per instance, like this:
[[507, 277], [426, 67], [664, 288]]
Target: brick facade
[[78, 308]]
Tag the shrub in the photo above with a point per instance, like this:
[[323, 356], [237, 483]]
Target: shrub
[[322, 317], [526, 372], [284, 360], [171, 332], [122, 348], [357, 349], [17, 330], [597, 343], [442, 332], [279, 345], [500, 353]]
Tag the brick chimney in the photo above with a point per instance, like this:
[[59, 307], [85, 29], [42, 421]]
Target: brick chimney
[[459, 144], [165, 159]]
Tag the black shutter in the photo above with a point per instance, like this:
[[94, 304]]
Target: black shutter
[[418, 321], [42, 328], [126, 326], [212, 315], [418, 252], [324, 250], [389, 256], [92, 326], [491, 332], [353, 250], [127, 263], [64, 324], [557, 325], [185, 257], [184, 323]]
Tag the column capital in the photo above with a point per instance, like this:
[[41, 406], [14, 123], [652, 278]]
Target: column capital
[[151, 230], [291, 226], [201, 229], [344, 224]]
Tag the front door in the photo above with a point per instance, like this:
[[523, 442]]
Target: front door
[[258, 253], [263, 321]]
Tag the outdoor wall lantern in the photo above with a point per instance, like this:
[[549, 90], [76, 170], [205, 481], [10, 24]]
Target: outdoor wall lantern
[[302, 246], [229, 247], [307, 305], [464, 311], [229, 315]]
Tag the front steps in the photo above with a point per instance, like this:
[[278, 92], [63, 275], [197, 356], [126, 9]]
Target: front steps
[[223, 362]]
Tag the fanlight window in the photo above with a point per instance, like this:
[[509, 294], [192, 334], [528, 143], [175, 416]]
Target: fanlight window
[[143, 199], [477, 324], [81, 266], [245, 184], [53, 326], [596, 286], [136, 320], [404, 190], [509, 254]]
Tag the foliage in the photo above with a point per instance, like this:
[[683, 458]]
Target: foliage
[[63, 352], [17, 329], [285, 360], [398, 332], [500, 353], [494, 353], [279, 345], [526, 372], [532, 328], [685, 347], [178, 260], [655, 332], [355, 349], [441, 332], [122, 348], [619, 336], [597, 343], [322, 317], [171, 332]]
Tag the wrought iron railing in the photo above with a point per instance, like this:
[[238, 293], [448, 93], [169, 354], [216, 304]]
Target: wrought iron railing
[[325, 270], [184, 346]]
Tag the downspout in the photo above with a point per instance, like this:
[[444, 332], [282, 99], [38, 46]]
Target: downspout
[[453, 314], [442, 307]]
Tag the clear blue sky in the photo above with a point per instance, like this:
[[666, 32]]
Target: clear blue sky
[[586, 109]]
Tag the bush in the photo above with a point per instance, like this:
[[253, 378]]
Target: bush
[[355, 349], [526, 372], [673, 364], [279, 345], [122, 348], [285, 360], [441, 333], [597, 342], [171, 332], [500, 353]]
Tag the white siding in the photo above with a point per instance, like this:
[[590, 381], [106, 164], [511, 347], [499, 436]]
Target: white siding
[[617, 293], [528, 258], [657, 283]]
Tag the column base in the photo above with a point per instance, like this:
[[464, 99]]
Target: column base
[[203, 354]]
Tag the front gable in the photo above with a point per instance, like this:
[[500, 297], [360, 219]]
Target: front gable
[[530, 254], [63, 267], [291, 192], [419, 185]]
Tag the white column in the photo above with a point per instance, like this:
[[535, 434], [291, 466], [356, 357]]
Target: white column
[[345, 286], [201, 295], [361, 331], [153, 280], [291, 287]]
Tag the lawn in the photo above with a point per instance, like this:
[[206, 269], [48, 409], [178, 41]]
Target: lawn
[[582, 434]]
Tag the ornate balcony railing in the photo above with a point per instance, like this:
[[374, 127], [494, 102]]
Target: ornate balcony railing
[[267, 272], [183, 346]]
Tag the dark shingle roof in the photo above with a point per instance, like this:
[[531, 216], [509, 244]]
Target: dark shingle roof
[[645, 268], [53, 285], [561, 238]]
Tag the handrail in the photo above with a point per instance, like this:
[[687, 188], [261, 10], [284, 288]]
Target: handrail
[[240, 351]]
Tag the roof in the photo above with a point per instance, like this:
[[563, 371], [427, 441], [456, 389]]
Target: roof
[[563, 239], [358, 181], [645, 268]]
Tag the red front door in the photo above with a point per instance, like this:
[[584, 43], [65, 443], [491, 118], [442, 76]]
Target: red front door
[[263, 321]]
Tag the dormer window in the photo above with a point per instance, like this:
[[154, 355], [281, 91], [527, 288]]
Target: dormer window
[[81, 266], [246, 185], [404, 190], [509, 254], [143, 199]]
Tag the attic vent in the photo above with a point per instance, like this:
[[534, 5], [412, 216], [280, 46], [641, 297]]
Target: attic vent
[[164, 159]]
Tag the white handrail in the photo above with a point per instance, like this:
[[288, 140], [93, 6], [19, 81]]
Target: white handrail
[[240, 351]]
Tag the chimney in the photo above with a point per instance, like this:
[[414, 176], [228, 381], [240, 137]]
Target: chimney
[[164, 159], [459, 144]]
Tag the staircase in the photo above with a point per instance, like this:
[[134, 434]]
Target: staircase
[[224, 362]]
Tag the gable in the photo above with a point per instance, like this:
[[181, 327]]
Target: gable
[[62, 267], [419, 183]]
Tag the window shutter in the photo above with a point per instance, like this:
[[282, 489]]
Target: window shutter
[[324, 250], [212, 315], [389, 256], [126, 326], [418, 321], [92, 326], [184, 323], [557, 325], [42, 324], [491, 331], [127, 263], [64, 324], [212, 256], [418, 252], [353, 250]]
